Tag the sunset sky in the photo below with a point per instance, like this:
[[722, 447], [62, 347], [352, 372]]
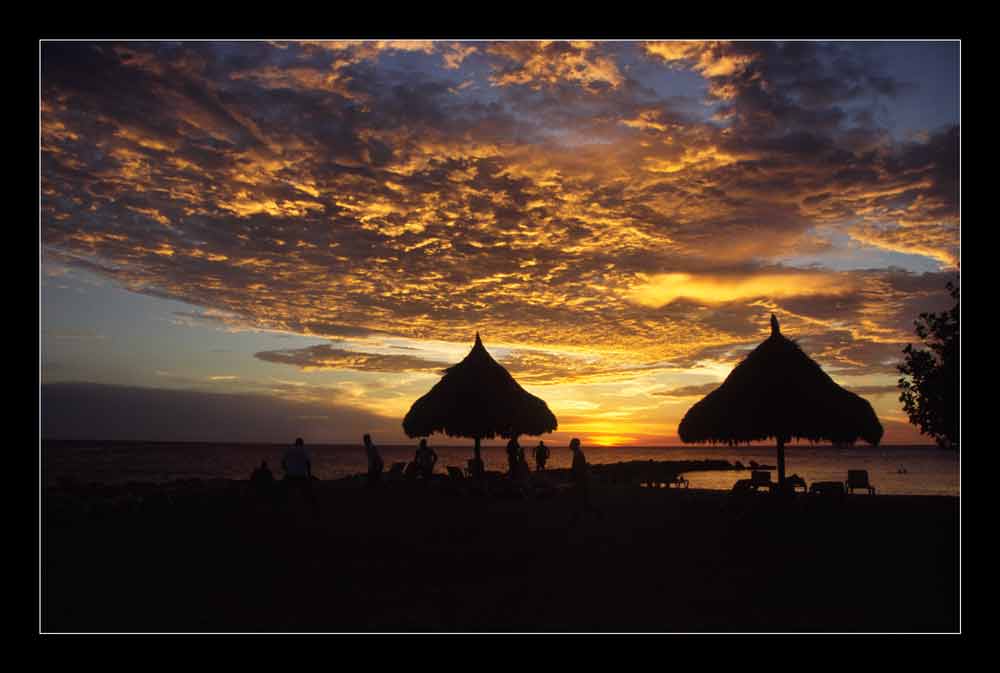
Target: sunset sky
[[254, 240]]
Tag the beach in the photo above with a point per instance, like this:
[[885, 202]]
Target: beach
[[210, 555]]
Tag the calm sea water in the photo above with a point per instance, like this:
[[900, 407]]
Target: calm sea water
[[929, 471]]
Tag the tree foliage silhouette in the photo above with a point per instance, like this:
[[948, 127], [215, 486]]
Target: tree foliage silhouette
[[930, 390]]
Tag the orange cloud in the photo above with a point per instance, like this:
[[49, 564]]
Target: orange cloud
[[661, 289]]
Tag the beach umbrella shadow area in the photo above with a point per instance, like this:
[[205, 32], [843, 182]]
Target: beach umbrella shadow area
[[478, 399], [778, 392]]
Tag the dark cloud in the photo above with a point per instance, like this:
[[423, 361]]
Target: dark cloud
[[690, 391], [93, 411], [328, 357]]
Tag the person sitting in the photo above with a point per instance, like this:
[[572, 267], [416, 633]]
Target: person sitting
[[375, 464], [262, 473], [262, 479], [523, 469], [541, 456], [581, 479], [425, 459]]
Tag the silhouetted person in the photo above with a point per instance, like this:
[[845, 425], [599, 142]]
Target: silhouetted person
[[262, 480], [298, 470], [262, 473], [515, 455], [523, 469], [541, 456], [476, 468], [581, 479], [425, 459], [375, 464]]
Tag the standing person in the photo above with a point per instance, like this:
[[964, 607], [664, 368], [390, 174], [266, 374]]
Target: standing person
[[425, 459], [298, 470], [514, 457], [541, 456], [477, 469], [375, 464], [581, 479]]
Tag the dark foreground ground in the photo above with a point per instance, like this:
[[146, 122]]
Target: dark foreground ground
[[210, 556]]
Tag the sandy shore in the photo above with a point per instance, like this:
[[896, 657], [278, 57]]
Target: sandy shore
[[212, 556]]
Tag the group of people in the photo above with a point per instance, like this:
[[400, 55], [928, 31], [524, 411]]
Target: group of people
[[297, 465], [426, 458], [517, 466]]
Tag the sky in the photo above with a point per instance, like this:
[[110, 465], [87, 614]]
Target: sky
[[257, 240]]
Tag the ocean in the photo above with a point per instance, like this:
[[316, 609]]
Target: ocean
[[928, 470]]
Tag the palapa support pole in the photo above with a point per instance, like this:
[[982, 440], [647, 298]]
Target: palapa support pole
[[478, 458], [781, 462]]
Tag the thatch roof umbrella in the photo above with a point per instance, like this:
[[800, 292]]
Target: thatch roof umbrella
[[479, 399], [779, 392]]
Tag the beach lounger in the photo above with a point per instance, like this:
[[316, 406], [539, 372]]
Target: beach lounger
[[859, 479], [679, 480], [795, 481], [759, 478], [827, 488], [741, 486], [455, 473]]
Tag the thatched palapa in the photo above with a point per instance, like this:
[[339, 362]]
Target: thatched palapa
[[478, 399], [779, 392]]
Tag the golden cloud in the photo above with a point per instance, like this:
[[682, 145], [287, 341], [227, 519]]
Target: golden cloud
[[657, 290]]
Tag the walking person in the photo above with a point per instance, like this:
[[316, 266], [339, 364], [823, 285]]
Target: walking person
[[514, 457], [375, 464], [541, 456]]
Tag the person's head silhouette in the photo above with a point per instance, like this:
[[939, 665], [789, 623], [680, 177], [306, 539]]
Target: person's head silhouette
[[368, 440], [299, 442], [574, 444], [423, 443]]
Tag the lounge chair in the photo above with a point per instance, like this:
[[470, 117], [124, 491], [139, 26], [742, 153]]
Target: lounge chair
[[679, 480], [858, 479], [455, 473], [795, 481], [760, 478], [827, 488]]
